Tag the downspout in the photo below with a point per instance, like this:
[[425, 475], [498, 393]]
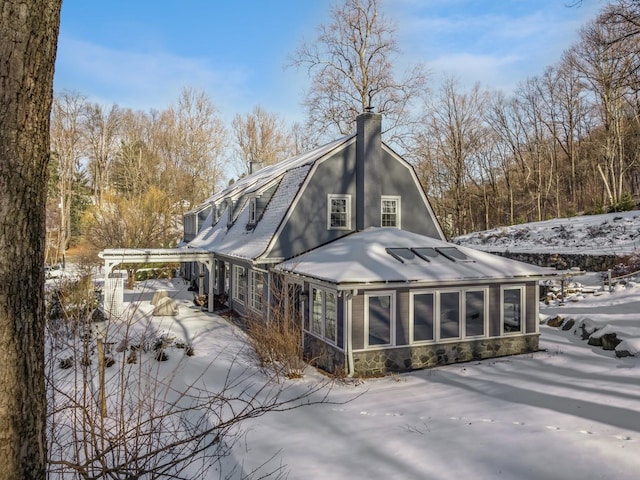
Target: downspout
[[349, 317]]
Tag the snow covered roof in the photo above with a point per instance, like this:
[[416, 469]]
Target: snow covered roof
[[392, 255], [241, 242], [265, 175]]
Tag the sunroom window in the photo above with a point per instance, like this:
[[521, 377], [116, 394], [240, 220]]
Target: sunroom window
[[380, 319], [512, 309]]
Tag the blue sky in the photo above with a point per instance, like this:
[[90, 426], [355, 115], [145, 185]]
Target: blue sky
[[140, 53]]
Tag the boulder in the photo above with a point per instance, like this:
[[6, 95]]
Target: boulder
[[166, 306], [568, 325], [158, 295], [610, 341], [555, 321]]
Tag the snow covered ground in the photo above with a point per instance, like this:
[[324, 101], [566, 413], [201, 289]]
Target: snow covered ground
[[569, 411], [609, 234]]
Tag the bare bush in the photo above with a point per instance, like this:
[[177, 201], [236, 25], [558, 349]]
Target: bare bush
[[159, 419], [277, 341]]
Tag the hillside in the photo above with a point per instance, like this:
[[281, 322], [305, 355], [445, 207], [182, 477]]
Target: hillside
[[607, 234]]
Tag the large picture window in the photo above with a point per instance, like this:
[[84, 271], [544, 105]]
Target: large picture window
[[239, 283], [512, 309], [390, 212], [339, 212], [380, 319]]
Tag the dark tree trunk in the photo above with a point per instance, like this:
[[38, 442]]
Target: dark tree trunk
[[28, 40]]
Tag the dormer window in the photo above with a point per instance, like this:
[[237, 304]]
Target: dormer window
[[390, 211], [339, 212], [253, 211]]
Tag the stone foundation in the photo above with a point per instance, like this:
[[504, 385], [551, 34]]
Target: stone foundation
[[324, 356], [401, 359]]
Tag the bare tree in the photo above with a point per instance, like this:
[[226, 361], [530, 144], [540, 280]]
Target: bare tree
[[28, 41], [66, 144], [190, 140], [261, 137], [351, 67], [101, 135], [455, 130]]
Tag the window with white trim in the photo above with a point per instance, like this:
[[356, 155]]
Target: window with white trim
[[512, 309], [474, 313], [239, 283], [339, 212], [423, 314], [324, 314], [380, 319], [448, 314], [256, 288], [390, 211]]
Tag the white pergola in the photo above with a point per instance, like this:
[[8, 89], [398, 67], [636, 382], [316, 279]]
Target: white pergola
[[117, 256]]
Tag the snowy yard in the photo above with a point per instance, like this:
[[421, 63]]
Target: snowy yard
[[569, 411]]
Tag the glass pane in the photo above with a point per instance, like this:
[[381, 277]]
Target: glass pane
[[423, 317], [512, 310], [330, 316], [380, 320], [316, 317], [450, 315], [474, 303]]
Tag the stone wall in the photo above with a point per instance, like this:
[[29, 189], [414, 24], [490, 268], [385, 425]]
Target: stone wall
[[590, 263], [322, 355], [381, 362]]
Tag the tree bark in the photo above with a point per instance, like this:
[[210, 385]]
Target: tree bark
[[28, 42]]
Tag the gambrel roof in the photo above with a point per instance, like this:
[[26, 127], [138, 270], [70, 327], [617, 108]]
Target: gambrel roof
[[233, 238]]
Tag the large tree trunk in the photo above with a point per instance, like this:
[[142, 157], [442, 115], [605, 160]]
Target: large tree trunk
[[28, 39]]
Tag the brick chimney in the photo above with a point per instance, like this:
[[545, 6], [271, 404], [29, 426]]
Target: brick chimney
[[368, 169]]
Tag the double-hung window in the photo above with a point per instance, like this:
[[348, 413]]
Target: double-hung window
[[390, 211], [339, 212], [239, 283]]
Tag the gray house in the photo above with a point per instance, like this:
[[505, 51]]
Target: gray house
[[347, 231]]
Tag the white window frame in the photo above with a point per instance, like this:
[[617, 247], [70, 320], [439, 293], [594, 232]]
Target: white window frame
[[323, 314], [347, 198], [239, 272], [523, 309], [256, 294], [392, 320], [397, 200], [485, 291], [412, 294], [462, 292]]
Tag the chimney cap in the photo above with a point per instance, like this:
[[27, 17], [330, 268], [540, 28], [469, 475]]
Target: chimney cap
[[368, 109]]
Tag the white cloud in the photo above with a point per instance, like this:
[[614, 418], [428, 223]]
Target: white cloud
[[140, 80]]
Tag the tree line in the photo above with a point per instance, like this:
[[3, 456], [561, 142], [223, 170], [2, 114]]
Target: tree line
[[123, 179], [563, 142]]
